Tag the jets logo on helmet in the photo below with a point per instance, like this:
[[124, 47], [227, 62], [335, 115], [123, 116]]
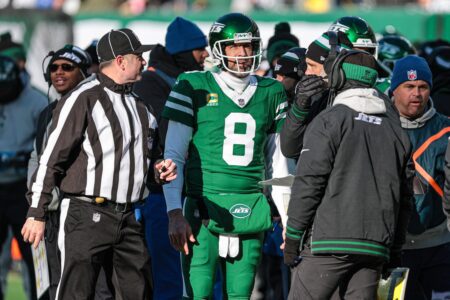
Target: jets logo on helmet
[[358, 32], [235, 28], [217, 27], [338, 27]]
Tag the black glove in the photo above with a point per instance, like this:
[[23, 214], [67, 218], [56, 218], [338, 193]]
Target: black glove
[[291, 252], [395, 261], [307, 88]]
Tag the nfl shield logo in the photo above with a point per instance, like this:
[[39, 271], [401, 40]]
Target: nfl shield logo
[[412, 75], [96, 217]]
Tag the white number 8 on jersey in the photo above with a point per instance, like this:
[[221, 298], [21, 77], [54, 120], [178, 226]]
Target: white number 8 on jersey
[[232, 138]]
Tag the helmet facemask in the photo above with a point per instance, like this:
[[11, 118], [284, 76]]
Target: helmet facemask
[[218, 52]]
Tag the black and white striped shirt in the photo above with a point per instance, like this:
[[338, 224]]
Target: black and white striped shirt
[[100, 144]]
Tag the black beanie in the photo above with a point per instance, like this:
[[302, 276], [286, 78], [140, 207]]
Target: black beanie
[[281, 41], [319, 49], [362, 68], [75, 55], [292, 63]]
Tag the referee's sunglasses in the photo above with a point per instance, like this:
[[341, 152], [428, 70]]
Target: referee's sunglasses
[[65, 67]]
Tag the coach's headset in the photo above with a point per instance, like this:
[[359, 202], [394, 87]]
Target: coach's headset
[[85, 63], [333, 67]]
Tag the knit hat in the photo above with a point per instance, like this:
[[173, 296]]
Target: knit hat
[[281, 42], [411, 68], [75, 55], [361, 67], [292, 63], [183, 35], [319, 49], [120, 42], [10, 48]]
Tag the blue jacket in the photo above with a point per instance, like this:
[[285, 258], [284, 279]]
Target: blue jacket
[[18, 123], [429, 136]]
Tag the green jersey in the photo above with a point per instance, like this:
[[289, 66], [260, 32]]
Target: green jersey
[[226, 153], [383, 85]]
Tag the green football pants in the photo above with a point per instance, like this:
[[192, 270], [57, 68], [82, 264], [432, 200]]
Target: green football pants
[[199, 267]]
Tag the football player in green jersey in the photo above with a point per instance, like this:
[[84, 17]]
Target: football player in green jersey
[[391, 49], [219, 128]]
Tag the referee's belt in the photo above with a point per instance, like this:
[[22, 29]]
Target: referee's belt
[[104, 202]]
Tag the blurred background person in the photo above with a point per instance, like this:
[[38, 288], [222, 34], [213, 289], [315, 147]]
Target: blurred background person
[[92, 51], [278, 44], [391, 48], [20, 105], [439, 62]]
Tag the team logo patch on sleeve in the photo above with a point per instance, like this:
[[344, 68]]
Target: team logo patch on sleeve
[[96, 217], [212, 99]]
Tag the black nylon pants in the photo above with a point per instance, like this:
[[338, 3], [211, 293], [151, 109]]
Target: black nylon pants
[[335, 277], [94, 236]]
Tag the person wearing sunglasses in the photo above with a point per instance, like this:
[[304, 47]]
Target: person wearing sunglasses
[[98, 153], [67, 68]]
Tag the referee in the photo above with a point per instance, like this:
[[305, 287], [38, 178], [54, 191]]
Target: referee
[[98, 153]]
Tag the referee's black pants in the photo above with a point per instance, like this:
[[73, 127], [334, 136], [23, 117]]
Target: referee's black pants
[[91, 236]]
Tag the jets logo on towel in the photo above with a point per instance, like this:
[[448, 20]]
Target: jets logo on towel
[[240, 211]]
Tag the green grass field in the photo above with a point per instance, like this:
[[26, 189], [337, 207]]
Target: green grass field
[[15, 288]]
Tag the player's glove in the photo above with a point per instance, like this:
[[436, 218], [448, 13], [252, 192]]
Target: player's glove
[[291, 252], [309, 89]]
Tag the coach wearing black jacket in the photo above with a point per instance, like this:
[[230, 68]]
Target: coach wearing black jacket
[[351, 198], [311, 93]]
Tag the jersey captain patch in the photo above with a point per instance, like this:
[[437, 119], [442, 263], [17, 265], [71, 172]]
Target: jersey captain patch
[[212, 99]]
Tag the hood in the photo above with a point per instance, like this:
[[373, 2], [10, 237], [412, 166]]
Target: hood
[[362, 100], [420, 121], [162, 60]]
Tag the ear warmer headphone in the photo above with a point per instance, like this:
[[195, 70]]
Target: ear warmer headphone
[[45, 70], [333, 40], [71, 53], [337, 77]]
